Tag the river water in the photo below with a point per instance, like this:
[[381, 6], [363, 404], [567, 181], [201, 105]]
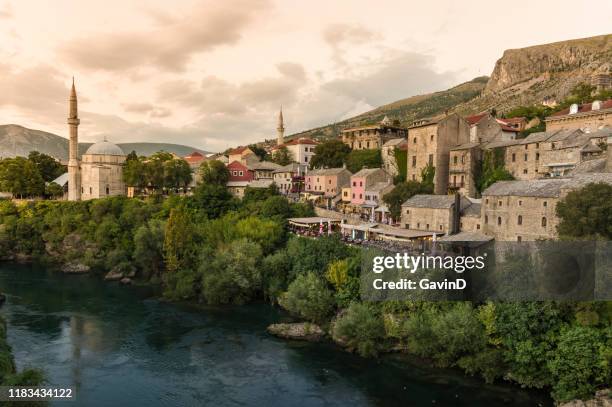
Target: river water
[[119, 346]]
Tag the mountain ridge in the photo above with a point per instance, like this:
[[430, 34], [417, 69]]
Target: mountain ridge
[[17, 140]]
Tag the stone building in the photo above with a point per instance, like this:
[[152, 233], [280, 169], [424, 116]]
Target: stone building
[[463, 162], [195, 159], [364, 180], [102, 171], [526, 210], [301, 149], [327, 182], [588, 116], [262, 169], [242, 154], [432, 213], [388, 153], [372, 136], [429, 143], [485, 128], [471, 219], [286, 180], [99, 173]]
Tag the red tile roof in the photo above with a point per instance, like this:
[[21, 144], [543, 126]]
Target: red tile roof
[[475, 118], [514, 120], [297, 141], [238, 150], [194, 157], [504, 126], [584, 108]]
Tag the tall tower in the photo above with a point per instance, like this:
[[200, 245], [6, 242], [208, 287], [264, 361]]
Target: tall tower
[[74, 172], [280, 130]]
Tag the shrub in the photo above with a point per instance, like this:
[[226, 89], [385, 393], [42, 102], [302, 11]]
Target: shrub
[[361, 328], [308, 297]]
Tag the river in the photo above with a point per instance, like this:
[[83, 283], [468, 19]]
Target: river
[[119, 346]]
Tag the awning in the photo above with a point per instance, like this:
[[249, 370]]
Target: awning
[[381, 208]]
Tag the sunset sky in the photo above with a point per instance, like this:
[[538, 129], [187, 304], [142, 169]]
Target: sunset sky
[[213, 74]]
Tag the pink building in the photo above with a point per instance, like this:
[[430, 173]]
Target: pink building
[[327, 182], [364, 180]]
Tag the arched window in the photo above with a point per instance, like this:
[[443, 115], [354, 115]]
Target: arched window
[[544, 221], [107, 190], [499, 220], [520, 219], [486, 219]]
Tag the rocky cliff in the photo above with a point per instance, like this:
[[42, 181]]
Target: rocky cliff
[[581, 58]]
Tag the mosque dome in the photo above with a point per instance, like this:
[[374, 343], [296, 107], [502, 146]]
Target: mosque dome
[[105, 148]]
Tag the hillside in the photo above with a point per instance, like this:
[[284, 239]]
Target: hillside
[[18, 140], [520, 77]]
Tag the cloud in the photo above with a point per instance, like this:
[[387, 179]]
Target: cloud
[[156, 112], [339, 35], [397, 76], [36, 90], [214, 95], [6, 11], [169, 46]]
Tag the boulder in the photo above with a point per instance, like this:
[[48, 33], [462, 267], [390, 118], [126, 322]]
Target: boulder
[[75, 268], [125, 281], [304, 331], [603, 398], [113, 275]]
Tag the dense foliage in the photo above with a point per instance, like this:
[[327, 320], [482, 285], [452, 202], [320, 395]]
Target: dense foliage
[[31, 177], [406, 190], [358, 159], [587, 212], [330, 154], [491, 169], [282, 156], [161, 172]]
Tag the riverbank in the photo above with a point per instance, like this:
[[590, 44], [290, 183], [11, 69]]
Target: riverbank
[[107, 336]]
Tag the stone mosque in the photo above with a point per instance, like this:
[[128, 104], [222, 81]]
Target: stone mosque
[[99, 173]]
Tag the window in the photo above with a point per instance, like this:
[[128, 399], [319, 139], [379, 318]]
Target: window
[[329, 182], [537, 156], [526, 157], [487, 201], [306, 159], [499, 203], [353, 196], [544, 221], [368, 144], [519, 239], [414, 161], [520, 220], [427, 226], [462, 159], [418, 225], [354, 183], [440, 227], [478, 226], [107, 190], [462, 180], [414, 140], [520, 203], [499, 221], [407, 225], [407, 211], [552, 145], [234, 173], [90, 190], [525, 171], [241, 173], [360, 196], [431, 138], [537, 145], [430, 159], [360, 183], [413, 177], [360, 144], [545, 204], [513, 157], [455, 160], [486, 220], [525, 146]]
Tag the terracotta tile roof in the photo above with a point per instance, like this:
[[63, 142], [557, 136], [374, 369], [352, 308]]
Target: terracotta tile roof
[[514, 120], [474, 119], [505, 127], [297, 141], [584, 108], [194, 157], [238, 150]]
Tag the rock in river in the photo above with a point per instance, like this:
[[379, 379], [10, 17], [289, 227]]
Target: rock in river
[[304, 331], [75, 268], [113, 275]]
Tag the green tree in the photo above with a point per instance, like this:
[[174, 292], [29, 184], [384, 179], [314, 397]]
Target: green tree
[[213, 201], [282, 156], [401, 193], [214, 172], [358, 159], [586, 212], [53, 190], [234, 274], [260, 152], [177, 173], [48, 167], [149, 247], [491, 169], [361, 328], [21, 177], [308, 297], [330, 154], [134, 173], [180, 240]]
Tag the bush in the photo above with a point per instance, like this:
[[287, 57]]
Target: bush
[[308, 297], [361, 328], [580, 363]]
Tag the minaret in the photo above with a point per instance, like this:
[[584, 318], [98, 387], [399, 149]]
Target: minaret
[[280, 130], [74, 172]]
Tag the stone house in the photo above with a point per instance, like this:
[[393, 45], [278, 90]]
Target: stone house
[[588, 116], [388, 155], [195, 159], [372, 136], [463, 162], [429, 143], [285, 178], [301, 149], [471, 218], [263, 169], [327, 182], [485, 128], [526, 210], [242, 154], [364, 180], [432, 213]]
